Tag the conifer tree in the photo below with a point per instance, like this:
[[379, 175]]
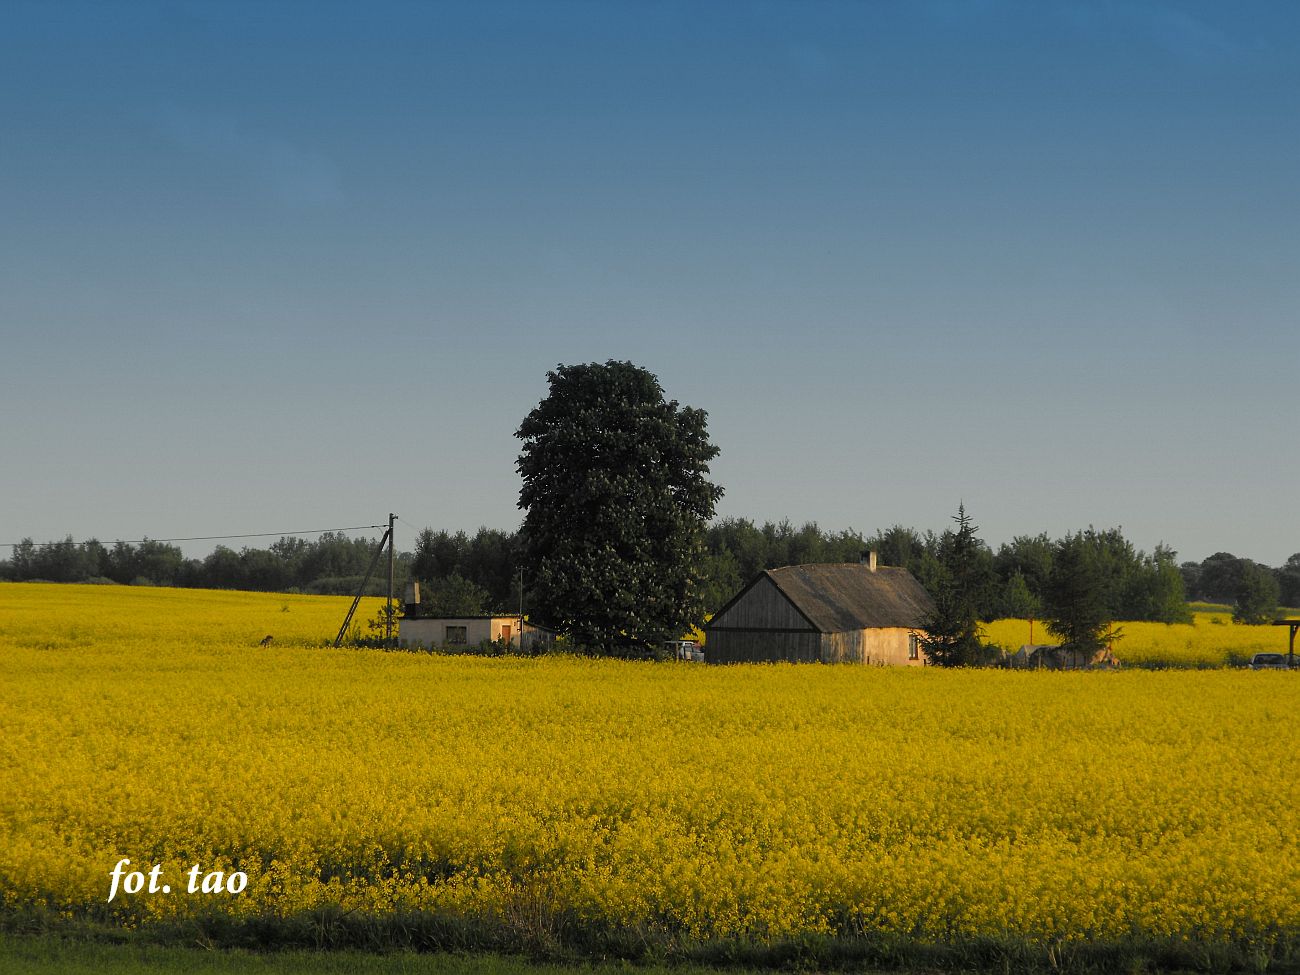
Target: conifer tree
[[1078, 595], [952, 631]]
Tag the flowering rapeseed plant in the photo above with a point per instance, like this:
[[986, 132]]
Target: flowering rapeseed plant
[[748, 801]]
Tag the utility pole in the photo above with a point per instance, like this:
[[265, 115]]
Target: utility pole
[[365, 582], [388, 641]]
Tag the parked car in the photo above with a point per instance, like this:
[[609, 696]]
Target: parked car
[[1269, 661], [686, 650]]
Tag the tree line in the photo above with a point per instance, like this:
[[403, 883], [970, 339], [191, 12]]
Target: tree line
[[1224, 578], [467, 574], [331, 564], [620, 549]]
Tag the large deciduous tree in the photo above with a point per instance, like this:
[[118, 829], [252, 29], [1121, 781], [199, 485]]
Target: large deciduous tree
[[1257, 594], [1288, 578], [616, 496]]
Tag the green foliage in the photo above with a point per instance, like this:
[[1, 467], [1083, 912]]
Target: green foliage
[[379, 625], [736, 550], [1155, 591], [65, 561], [348, 585], [159, 561], [1029, 556], [952, 631], [721, 577], [1018, 602], [1220, 577], [919, 554], [322, 565], [902, 547], [453, 595], [488, 559], [1140, 586], [1257, 595], [1079, 591], [1288, 578], [968, 563], [616, 500], [1223, 578]]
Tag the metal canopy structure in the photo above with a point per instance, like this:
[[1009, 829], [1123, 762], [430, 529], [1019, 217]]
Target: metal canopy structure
[[1295, 625]]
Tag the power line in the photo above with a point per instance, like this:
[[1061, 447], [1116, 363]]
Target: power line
[[201, 538], [409, 525]]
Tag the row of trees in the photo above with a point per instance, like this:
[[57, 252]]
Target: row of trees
[[1081, 578], [332, 563], [617, 504], [620, 550], [462, 573], [1225, 578], [468, 575], [1011, 582]]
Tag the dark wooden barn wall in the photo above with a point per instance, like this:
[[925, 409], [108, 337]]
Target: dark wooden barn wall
[[762, 606], [755, 646]]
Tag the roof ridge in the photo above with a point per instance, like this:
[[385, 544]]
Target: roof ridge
[[835, 596]]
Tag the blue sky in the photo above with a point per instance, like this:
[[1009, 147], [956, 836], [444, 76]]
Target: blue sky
[[270, 266]]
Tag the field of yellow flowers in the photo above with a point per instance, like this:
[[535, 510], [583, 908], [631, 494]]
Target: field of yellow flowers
[[1210, 640], [567, 800]]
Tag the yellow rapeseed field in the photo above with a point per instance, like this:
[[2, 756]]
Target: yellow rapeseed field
[[1211, 640], [692, 802]]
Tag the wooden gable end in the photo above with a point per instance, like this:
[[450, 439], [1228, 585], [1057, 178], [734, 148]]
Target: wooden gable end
[[761, 606]]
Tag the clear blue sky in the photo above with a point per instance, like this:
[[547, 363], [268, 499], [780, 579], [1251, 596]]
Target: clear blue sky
[[269, 266]]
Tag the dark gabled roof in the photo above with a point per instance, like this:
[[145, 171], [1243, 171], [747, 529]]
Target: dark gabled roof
[[849, 596]]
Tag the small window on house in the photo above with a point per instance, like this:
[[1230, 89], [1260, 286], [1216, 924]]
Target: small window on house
[[913, 647], [456, 635]]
